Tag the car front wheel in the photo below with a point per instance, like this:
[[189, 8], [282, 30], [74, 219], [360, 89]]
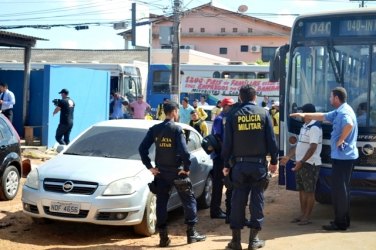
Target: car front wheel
[[149, 220], [10, 183]]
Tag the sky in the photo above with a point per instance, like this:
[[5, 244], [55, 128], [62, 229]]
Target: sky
[[57, 19]]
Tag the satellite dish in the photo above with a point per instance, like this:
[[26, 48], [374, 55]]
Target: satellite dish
[[243, 8]]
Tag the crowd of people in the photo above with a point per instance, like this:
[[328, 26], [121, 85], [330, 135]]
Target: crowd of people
[[244, 170]]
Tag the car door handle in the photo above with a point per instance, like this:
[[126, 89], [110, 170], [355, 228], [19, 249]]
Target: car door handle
[[203, 160]]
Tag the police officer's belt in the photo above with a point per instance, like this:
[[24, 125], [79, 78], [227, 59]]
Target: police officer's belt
[[249, 159]]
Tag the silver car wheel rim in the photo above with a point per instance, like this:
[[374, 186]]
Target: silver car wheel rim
[[152, 217], [11, 183]]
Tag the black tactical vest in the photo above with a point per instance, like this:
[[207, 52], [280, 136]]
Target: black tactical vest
[[165, 136], [249, 131]]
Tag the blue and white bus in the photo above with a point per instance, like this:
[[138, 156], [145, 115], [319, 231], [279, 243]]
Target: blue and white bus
[[159, 79], [328, 50]]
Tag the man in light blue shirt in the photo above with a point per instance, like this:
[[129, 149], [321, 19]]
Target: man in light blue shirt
[[185, 111], [343, 153], [117, 106], [7, 100]]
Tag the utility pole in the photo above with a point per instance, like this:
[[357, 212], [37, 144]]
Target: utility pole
[[175, 71], [361, 5]]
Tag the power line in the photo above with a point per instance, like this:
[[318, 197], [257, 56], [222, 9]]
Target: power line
[[21, 15], [49, 26], [62, 9]]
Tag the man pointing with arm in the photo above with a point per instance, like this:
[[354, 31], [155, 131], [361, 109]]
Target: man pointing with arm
[[343, 153]]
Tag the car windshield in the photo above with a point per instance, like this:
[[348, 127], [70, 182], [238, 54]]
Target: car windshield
[[111, 142]]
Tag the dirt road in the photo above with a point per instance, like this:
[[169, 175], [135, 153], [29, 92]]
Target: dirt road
[[281, 206]]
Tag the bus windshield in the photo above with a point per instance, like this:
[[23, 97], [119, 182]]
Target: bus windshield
[[316, 70]]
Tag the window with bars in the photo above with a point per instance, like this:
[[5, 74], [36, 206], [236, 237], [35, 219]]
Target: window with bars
[[244, 48], [223, 51]]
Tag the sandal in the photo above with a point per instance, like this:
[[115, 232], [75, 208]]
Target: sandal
[[295, 220], [304, 222]]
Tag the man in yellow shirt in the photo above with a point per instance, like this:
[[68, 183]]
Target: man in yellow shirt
[[216, 110], [201, 112], [160, 115], [198, 124], [275, 118]]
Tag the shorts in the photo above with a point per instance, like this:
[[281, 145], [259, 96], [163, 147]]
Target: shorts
[[306, 177]]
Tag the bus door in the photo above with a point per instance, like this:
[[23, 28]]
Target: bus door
[[277, 73]]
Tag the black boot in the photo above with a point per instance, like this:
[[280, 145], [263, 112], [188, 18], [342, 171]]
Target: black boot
[[193, 236], [164, 241], [235, 244], [254, 241]]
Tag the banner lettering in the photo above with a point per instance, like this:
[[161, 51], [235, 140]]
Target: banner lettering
[[227, 87]]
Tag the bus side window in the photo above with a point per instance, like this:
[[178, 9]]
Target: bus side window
[[261, 75], [216, 74]]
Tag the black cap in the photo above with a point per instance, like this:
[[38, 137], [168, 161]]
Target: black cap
[[308, 108], [64, 91]]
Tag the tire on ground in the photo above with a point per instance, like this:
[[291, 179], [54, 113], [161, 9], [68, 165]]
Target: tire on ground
[[148, 224], [10, 183]]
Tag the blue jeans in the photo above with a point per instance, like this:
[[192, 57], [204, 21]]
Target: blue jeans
[[63, 130]]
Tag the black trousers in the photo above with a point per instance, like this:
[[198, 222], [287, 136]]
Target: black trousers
[[215, 205], [164, 183], [8, 114], [341, 176], [63, 130], [218, 183]]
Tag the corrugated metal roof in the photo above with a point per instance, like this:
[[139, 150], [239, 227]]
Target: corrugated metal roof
[[77, 55], [16, 35]]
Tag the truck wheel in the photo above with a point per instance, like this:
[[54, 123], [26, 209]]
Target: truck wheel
[[149, 220], [10, 183]]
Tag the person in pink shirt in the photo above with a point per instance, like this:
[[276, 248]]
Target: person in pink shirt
[[140, 108]]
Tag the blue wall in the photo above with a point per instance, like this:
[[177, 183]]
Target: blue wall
[[90, 90], [14, 79]]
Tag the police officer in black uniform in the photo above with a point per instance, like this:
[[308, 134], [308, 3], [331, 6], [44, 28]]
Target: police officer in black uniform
[[66, 108], [171, 153], [248, 139]]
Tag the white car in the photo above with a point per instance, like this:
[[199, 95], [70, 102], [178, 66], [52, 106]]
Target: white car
[[99, 178]]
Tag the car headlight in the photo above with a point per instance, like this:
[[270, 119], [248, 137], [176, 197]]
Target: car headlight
[[32, 180], [123, 186]]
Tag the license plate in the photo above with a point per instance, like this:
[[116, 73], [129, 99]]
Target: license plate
[[66, 208]]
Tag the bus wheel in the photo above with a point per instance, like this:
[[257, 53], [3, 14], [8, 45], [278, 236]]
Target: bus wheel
[[323, 198]]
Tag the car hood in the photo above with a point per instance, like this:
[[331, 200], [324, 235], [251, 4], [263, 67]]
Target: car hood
[[84, 168]]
